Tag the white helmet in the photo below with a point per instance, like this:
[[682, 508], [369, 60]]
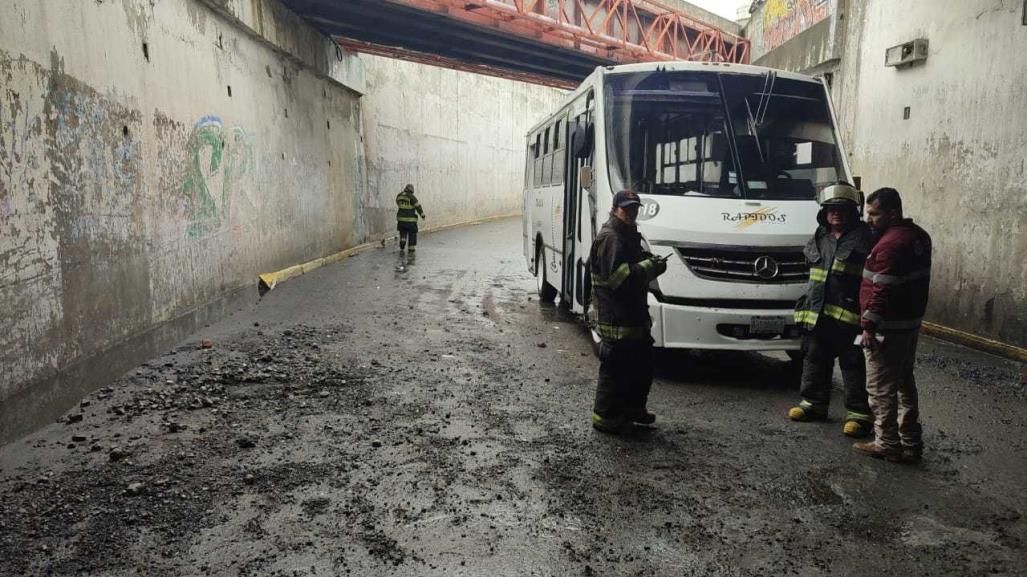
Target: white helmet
[[840, 193]]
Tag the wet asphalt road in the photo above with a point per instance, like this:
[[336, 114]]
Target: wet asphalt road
[[362, 420]]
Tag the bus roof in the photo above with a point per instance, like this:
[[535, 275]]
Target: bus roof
[[689, 66], [674, 66]]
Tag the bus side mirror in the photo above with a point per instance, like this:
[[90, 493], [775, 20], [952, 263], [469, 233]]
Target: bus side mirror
[[585, 177], [582, 141]]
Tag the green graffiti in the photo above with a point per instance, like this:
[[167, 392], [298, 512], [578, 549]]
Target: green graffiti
[[218, 163], [240, 161]]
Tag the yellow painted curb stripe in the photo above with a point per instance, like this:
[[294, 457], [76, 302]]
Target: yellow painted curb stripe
[[975, 342], [270, 280]]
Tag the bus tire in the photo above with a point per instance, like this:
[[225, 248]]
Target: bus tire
[[546, 291]]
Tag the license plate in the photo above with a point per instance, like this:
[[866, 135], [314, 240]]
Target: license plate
[[767, 325]]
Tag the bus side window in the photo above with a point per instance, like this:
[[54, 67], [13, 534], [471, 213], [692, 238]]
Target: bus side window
[[536, 173], [547, 169], [718, 176], [691, 156], [689, 165], [803, 153], [559, 170], [710, 164], [547, 159], [558, 153], [529, 164]]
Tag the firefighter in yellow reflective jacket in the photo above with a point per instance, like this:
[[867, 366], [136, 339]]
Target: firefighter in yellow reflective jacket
[[621, 273], [407, 209], [829, 311]]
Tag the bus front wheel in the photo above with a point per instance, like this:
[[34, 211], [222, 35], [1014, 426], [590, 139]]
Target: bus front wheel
[[546, 291]]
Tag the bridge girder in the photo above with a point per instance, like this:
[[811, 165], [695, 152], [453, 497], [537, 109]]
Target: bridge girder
[[555, 42]]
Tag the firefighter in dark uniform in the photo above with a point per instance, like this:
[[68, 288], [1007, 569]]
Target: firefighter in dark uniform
[[829, 311], [407, 209], [621, 273]]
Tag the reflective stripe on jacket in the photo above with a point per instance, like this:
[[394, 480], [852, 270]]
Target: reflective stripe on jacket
[[897, 279], [407, 207], [620, 274], [835, 272]]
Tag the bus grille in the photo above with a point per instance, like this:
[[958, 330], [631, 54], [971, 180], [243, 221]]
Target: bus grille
[[769, 267]]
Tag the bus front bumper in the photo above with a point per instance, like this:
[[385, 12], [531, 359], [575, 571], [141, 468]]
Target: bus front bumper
[[693, 327]]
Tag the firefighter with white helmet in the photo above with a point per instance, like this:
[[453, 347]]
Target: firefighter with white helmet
[[829, 311]]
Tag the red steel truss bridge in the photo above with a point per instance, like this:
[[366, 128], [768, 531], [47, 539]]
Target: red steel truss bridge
[[552, 42]]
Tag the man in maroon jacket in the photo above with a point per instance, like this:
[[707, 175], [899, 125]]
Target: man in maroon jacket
[[893, 298]]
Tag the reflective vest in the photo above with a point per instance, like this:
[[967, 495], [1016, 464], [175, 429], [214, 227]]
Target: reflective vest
[[620, 275], [407, 207], [835, 272]]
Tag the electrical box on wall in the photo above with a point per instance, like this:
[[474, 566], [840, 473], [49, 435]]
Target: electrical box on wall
[[906, 54]]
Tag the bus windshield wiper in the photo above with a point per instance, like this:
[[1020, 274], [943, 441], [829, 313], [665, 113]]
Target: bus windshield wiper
[[753, 129], [756, 120], [768, 91]]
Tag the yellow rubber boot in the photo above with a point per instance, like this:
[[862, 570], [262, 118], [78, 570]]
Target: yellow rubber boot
[[804, 412], [607, 425], [858, 425]]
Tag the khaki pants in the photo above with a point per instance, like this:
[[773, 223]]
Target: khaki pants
[[892, 390]]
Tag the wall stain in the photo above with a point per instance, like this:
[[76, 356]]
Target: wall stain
[[198, 14], [138, 16], [18, 126], [95, 163], [22, 170]]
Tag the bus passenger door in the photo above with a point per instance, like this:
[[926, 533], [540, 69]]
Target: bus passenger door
[[570, 210], [579, 212], [527, 206]]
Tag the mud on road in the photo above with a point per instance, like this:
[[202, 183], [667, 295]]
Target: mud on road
[[434, 420]]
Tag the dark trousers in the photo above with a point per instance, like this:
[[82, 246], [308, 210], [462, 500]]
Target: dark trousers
[[828, 341], [407, 233], [625, 377]]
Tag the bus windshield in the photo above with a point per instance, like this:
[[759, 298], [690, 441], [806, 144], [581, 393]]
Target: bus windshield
[[724, 135]]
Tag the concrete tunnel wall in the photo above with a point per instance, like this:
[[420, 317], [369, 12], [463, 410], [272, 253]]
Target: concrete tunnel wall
[[138, 197], [459, 138], [135, 190], [959, 160]]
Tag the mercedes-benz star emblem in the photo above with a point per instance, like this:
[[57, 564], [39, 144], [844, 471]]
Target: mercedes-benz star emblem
[[766, 267]]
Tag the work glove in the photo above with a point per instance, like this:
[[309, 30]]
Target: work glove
[[659, 266], [422, 217]]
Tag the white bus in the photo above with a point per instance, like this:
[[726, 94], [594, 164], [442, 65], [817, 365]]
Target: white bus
[[728, 161]]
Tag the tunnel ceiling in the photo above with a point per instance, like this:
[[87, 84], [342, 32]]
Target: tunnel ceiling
[[389, 25]]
